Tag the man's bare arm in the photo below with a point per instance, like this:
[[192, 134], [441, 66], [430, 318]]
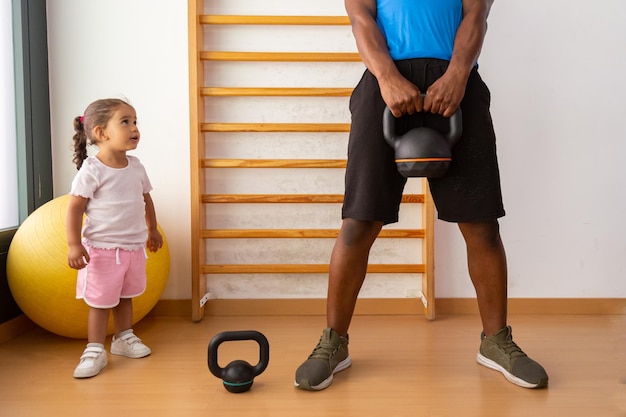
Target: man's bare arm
[[471, 34], [445, 95], [399, 94]]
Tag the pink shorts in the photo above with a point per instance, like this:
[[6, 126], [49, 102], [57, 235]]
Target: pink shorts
[[110, 275]]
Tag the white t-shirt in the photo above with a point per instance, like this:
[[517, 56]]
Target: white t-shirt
[[116, 212]]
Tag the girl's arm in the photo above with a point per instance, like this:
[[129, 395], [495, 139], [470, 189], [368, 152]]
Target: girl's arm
[[155, 240], [77, 256]]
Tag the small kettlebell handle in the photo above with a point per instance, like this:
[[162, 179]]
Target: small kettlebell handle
[[217, 340], [453, 135]]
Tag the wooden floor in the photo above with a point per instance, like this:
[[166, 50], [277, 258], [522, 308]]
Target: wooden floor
[[402, 366]]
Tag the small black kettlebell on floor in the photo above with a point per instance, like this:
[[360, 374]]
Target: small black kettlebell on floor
[[238, 375], [422, 151]]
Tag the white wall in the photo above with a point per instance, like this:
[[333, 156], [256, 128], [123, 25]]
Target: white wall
[[137, 50], [555, 72]]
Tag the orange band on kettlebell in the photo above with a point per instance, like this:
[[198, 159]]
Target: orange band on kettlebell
[[424, 160]]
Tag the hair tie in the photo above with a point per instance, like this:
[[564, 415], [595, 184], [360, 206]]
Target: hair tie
[[82, 119]]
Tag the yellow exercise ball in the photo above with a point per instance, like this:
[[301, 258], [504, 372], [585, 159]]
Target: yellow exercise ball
[[44, 286]]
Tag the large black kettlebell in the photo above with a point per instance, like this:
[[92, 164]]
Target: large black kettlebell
[[238, 375], [422, 151]]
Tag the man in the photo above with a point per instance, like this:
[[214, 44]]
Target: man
[[412, 47]]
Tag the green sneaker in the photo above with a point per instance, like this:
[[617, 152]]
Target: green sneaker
[[500, 352], [329, 357]]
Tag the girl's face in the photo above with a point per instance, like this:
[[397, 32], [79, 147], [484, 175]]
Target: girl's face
[[121, 133]]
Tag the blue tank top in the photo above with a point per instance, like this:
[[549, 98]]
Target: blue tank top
[[419, 28]]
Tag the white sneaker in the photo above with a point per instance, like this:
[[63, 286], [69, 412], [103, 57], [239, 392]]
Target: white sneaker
[[129, 345], [93, 359]]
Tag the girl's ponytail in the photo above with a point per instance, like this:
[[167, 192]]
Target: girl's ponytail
[[80, 142]]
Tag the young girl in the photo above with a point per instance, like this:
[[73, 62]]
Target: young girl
[[113, 190]]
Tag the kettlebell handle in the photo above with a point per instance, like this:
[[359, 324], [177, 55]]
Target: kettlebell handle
[[453, 135], [264, 349]]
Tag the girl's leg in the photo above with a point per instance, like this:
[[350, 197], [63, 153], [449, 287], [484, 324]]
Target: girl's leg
[[123, 315], [97, 322], [125, 342], [94, 357]]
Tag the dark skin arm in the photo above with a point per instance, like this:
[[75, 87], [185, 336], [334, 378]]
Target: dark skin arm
[[401, 96]]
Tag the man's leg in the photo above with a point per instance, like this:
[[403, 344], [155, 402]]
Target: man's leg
[[348, 266], [487, 268]]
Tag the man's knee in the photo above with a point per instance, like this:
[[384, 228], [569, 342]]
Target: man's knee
[[484, 233], [356, 232]]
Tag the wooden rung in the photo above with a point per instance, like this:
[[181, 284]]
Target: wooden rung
[[305, 269], [274, 92], [275, 127], [290, 198], [301, 233], [273, 163], [273, 20], [280, 56], [272, 198]]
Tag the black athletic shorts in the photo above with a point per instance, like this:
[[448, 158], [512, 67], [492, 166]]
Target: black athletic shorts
[[470, 190]]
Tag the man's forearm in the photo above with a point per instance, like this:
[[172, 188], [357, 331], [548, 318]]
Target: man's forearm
[[369, 39], [372, 47], [470, 35]]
